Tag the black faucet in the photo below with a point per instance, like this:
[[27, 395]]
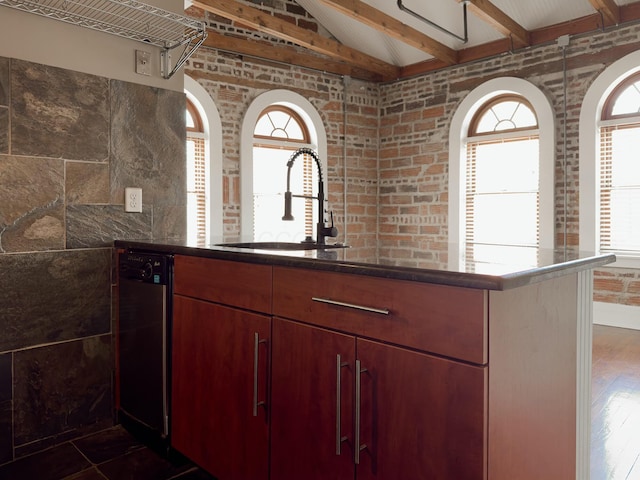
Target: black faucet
[[322, 230]]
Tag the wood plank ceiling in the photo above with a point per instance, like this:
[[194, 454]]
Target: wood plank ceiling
[[427, 43]]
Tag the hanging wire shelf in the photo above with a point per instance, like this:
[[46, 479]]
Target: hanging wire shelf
[[125, 18]]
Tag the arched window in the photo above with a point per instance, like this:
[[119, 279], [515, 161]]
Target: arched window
[[277, 123], [279, 132], [502, 178], [204, 166], [501, 174], [196, 176], [619, 178], [609, 173]]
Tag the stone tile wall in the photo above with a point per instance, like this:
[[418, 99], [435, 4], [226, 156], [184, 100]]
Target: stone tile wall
[[69, 145]]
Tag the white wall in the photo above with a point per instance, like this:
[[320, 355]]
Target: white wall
[[51, 42]]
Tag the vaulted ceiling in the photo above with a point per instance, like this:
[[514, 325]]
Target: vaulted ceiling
[[384, 40]]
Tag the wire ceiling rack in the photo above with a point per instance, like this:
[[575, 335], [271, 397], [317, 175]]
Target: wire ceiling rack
[[126, 18]]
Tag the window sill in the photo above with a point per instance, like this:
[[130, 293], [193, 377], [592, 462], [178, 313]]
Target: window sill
[[626, 261]]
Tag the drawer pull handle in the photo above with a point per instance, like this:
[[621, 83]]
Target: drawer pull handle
[[358, 446], [256, 403], [381, 311], [339, 437]]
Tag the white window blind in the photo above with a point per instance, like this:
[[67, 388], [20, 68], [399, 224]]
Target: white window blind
[[279, 132], [620, 189], [502, 190], [269, 185], [196, 188], [502, 197]]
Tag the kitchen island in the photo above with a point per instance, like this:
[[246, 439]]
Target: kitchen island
[[331, 364]]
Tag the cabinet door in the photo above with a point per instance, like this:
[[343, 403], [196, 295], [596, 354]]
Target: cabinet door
[[214, 373], [312, 403], [421, 417]]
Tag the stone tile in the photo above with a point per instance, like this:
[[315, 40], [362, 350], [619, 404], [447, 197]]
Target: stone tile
[[58, 113], [36, 446], [63, 388], [148, 143], [99, 225], [4, 130], [53, 296], [169, 222], [6, 413], [31, 204], [52, 464], [5, 64], [194, 474], [86, 182], [5, 377], [91, 474], [107, 444], [143, 464], [6, 432]]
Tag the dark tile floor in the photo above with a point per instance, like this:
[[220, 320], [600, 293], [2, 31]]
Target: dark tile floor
[[111, 454]]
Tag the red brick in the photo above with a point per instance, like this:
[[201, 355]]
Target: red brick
[[608, 285]]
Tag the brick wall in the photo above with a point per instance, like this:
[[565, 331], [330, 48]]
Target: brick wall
[[234, 82], [617, 286], [397, 138], [415, 118]]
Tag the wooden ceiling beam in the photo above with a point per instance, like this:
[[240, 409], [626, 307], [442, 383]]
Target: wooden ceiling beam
[[284, 55], [287, 54], [266, 23], [608, 9], [499, 20], [392, 27]]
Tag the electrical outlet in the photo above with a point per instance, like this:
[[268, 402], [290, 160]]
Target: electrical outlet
[[133, 199]]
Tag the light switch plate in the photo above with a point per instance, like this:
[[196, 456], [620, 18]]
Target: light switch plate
[[133, 200], [143, 62]]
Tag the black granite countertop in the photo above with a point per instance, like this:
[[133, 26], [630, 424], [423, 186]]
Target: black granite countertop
[[509, 267]]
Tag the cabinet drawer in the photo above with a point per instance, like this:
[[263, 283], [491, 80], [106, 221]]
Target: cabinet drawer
[[445, 320], [243, 285]]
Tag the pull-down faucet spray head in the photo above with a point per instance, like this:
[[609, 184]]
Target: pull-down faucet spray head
[[287, 205]]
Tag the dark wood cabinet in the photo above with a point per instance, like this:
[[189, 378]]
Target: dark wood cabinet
[[286, 373], [420, 417], [219, 384], [220, 372], [312, 403], [445, 320]]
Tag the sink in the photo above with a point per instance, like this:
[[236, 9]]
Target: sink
[[282, 245]]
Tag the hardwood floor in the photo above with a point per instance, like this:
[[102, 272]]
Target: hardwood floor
[[615, 425]]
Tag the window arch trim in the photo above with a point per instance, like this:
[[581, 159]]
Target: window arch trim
[[295, 116], [612, 98], [484, 109], [198, 125]]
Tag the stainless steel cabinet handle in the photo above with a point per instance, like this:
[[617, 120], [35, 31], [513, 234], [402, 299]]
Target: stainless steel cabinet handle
[[382, 311], [339, 437], [256, 343], [358, 447]]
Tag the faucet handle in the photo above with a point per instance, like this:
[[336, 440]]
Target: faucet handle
[[332, 231]]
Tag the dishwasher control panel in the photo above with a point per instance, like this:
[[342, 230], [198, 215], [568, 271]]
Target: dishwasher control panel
[[144, 267]]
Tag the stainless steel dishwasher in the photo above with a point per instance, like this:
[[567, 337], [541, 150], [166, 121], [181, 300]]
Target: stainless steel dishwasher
[[143, 345]]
